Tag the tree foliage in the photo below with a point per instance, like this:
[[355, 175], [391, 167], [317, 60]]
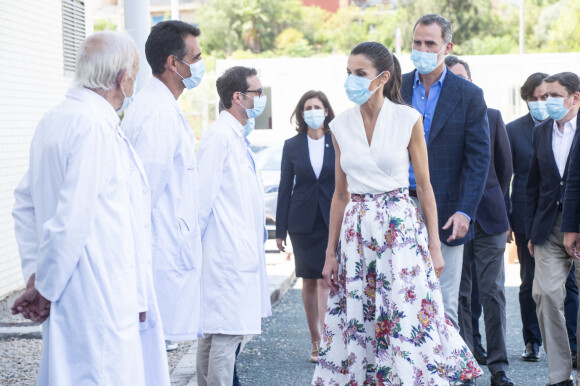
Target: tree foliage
[[245, 28]]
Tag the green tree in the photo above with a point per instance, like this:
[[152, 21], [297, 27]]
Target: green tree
[[291, 42], [564, 34], [230, 25]]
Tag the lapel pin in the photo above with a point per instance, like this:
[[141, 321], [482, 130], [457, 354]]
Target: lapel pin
[[326, 145]]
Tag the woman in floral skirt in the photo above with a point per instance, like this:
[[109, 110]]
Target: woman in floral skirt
[[385, 323]]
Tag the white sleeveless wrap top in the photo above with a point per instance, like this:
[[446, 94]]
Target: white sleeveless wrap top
[[384, 165]]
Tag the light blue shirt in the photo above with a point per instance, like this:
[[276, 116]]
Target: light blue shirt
[[425, 106]]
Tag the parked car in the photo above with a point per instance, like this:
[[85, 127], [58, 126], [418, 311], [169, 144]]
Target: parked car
[[268, 163]]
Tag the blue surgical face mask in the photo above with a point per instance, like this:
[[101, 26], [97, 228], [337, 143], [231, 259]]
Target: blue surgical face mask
[[197, 70], [357, 88], [425, 62], [538, 110], [259, 106], [314, 118], [556, 109], [249, 126], [128, 100]]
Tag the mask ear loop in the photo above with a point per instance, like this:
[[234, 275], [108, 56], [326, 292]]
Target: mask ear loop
[[379, 86]]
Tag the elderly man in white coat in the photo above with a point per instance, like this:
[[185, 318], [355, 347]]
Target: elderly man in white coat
[[75, 227], [162, 137], [232, 223]]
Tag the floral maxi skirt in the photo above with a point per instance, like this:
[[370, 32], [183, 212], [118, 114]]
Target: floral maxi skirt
[[386, 324]]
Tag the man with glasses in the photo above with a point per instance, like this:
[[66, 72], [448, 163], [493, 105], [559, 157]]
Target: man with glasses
[[162, 137], [232, 223]]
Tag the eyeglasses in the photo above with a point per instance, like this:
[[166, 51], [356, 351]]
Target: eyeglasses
[[259, 91]]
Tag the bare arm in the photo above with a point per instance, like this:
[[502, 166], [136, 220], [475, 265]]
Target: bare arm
[[340, 199], [418, 153]]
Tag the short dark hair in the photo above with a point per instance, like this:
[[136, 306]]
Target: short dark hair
[[567, 79], [452, 60], [533, 81], [383, 60], [299, 110], [446, 32], [167, 38], [233, 80]]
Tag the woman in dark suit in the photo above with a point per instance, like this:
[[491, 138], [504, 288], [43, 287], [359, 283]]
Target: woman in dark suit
[[304, 195]]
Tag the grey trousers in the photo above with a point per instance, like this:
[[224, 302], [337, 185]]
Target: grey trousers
[[216, 355], [487, 252], [552, 268], [451, 277]]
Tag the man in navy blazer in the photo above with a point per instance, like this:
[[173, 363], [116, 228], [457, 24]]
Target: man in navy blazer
[[485, 251], [457, 136], [571, 209], [534, 93], [545, 186]]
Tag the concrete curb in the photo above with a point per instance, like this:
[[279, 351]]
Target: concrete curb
[[20, 331]]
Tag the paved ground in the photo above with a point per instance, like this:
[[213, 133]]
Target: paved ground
[[280, 355]]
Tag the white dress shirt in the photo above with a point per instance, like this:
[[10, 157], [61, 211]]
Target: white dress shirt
[[316, 152], [561, 143]]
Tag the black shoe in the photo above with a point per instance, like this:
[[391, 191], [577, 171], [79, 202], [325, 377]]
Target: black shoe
[[532, 352], [501, 379], [574, 359], [479, 354], [567, 382]]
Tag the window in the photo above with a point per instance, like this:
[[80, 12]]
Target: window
[[73, 32]]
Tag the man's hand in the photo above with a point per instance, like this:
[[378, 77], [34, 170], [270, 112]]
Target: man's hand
[[460, 225], [572, 244], [531, 248], [330, 271], [32, 304], [142, 316], [510, 236], [281, 243]]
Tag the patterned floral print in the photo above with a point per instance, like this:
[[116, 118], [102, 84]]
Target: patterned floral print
[[386, 324]]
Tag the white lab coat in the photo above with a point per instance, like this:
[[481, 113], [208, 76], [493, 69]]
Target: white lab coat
[[164, 141], [151, 331], [73, 227], [232, 223]]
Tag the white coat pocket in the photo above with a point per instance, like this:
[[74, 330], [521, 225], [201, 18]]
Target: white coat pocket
[[187, 237], [247, 250]]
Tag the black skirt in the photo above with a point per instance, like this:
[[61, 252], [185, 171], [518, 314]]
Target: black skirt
[[310, 250]]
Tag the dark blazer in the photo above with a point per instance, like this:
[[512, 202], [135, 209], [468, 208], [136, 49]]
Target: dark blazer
[[491, 213], [520, 136], [298, 207], [458, 149], [544, 187], [571, 210]]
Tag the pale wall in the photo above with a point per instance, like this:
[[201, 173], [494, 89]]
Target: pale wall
[[32, 80], [500, 77]]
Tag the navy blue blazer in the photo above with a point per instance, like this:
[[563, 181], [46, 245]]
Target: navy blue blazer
[[544, 187], [491, 213], [571, 210], [298, 203], [458, 149], [520, 136]]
